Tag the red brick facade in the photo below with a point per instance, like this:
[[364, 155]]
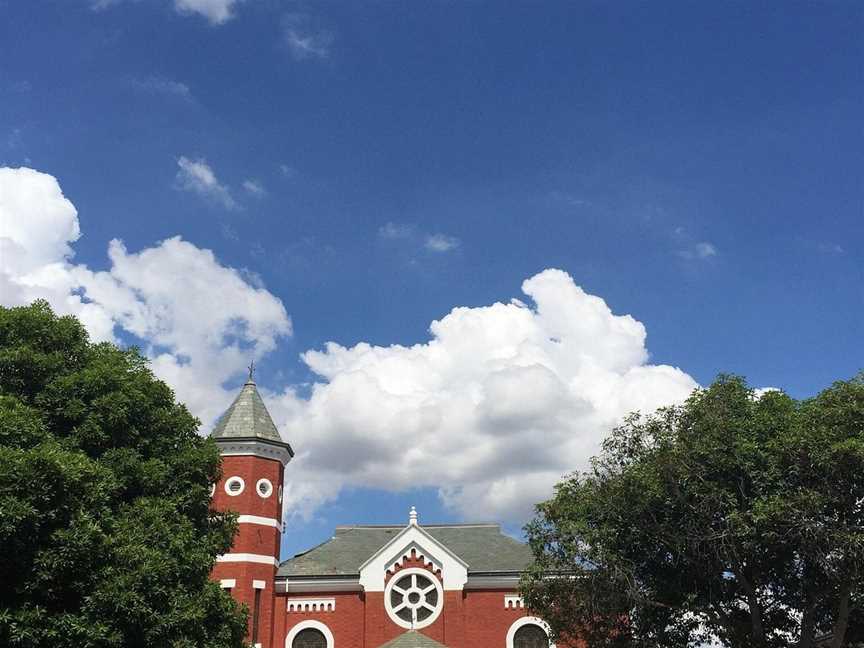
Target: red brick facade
[[412, 579]]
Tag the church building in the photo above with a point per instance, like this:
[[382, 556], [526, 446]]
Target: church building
[[403, 586]]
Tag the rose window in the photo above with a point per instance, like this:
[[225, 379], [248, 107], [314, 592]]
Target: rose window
[[414, 598]]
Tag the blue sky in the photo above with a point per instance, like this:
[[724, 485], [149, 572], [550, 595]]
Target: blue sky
[[375, 165]]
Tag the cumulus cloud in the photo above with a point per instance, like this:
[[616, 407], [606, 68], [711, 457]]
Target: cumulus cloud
[[162, 295], [304, 40], [198, 177], [441, 243], [492, 410]]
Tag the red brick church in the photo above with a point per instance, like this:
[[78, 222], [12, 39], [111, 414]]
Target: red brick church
[[403, 586]]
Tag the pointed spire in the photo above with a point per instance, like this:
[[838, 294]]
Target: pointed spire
[[412, 517], [248, 418]]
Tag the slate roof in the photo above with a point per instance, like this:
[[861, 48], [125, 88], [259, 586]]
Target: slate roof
[[483, 546], [412, 639], [248, 418]]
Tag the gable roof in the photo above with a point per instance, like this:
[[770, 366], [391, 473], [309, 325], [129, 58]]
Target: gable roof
[[248, 418], [412, 639], [483, 546]]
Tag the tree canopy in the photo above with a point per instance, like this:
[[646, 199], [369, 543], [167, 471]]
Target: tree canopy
[[105, 524], [737, 515]]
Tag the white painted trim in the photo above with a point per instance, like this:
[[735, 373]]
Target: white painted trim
[[256, 519], [310, 623], [523, 621], [258, 584], [391, 611], [311, 605], [250, 447], [234, 478], [513, 602], [269, 488], [247, 557], [228, 583], [373, 572]]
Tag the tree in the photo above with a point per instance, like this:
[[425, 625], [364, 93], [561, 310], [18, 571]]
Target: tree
[[737, 514], [106, 530]]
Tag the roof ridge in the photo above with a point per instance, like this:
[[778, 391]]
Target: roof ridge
[[443, 525]]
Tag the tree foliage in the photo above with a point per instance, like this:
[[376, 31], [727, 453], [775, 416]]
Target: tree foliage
[[105, 522], [736, 515]]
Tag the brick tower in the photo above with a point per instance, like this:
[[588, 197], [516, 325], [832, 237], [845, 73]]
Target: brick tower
[[253, 460]]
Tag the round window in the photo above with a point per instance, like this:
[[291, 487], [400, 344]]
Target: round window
[[234, 486], [280, 495], [414, 598], [264, 488]]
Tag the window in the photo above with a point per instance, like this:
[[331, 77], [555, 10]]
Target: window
[[234, 486], [309, 638], [264, 488], [413, 598], [530, 636], [528, 632]]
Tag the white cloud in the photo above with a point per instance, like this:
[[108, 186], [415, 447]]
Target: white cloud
[[391, 231], [492, 411], [164, 295], [254, 187], [700, 251], [198, 177], [215, 11], [441, 243], [305, 41], [162, 86]]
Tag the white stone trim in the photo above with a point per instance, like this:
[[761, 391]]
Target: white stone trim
[[310, 623], [234, 478], [513, 602], [454, 570], [258, 584], [256, 519], [268, 484], [391, 611], [311, 605], [248, 557], [228, 583], [251, 447], [523, 621]]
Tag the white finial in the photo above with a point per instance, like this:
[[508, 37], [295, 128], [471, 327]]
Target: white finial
[[412, 516]]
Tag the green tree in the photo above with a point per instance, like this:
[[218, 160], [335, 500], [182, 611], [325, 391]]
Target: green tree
[[736, 515], [105, 524]]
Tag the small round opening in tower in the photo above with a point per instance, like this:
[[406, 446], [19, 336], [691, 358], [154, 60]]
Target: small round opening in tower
[[264, 488], [234, 486]]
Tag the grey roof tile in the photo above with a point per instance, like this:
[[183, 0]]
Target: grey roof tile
[[483, 546], [412, 639], [247, 418]]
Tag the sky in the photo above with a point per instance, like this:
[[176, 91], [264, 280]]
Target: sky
[[459, 240]]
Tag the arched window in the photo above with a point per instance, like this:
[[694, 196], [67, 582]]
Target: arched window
[[309, 634], [528, 632], [309, 638], [530, 636]]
